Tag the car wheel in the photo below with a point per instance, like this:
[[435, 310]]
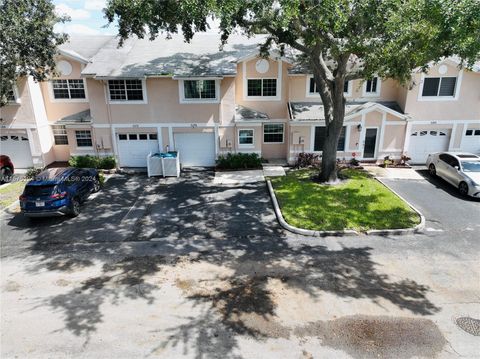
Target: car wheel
[[6, 174], [74, 208], [96, 185], [463, 189], [432, 170]]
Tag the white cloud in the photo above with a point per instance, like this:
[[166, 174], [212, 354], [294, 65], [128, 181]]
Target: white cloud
[[95, 4], [75, 14], [76, 29]]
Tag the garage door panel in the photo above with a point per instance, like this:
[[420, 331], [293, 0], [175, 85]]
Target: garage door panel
[[424, 142], [471, 141], [17, 147], [133, 148], [196, 149]]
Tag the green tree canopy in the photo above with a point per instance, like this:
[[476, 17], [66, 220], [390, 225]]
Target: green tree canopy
[[28, 43], [337, 39]]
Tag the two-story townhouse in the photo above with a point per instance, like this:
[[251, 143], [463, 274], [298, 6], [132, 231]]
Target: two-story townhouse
[[36, 125], [192, 97]]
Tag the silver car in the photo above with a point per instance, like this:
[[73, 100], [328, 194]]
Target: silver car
[[459, 169]]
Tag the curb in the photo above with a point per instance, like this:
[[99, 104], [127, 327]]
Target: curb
[[302, 231], [418, 228]]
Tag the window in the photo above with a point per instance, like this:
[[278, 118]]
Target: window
[[245, 137], [199, 89], [319, 139], [273, 133], [153, 136], [143, 136], [68, 89], [84, 138], [439, 86], [312, 88], [371, 85], [60, 135], [262, 87], [122, 137], [132, 136], [472, 133], [125, 90]]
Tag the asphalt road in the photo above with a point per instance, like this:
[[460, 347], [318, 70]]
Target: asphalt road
[[191, 269]]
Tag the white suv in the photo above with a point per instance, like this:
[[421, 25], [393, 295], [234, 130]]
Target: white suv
[[459, 169]]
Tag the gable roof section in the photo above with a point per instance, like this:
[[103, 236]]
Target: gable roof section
[[313, 111], [202, 57], [83, 47]]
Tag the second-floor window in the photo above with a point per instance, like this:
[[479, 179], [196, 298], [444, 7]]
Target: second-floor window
[[60, 135], [68, 89], [371, 86], [125, 90], [439, 86], [312, 89], [262, 87], [84, 138], [199, 89]]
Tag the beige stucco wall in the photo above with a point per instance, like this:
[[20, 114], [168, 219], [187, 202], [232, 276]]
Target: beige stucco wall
[[273, 108], [467, 107], [373, 119], [394, 138], [163, 105], [57, 109], [19, 114]]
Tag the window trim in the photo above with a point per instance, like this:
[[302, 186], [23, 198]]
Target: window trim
[[317, 95], [246, 145], [372, 94], [279, 79], [283, 133], [127, 102], [62, 135], [262, 79], [16, 95], [181, 91], [84, 147], [59, 100], [455, 97]]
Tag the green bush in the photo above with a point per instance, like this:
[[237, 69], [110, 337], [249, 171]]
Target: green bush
[[107, 163], [87, 161], [32, 172], [232, 161]]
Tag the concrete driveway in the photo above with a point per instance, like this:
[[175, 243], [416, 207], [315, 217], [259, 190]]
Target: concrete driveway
[[189, 268]]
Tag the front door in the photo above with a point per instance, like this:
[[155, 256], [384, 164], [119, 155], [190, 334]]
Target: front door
[[370, 143]]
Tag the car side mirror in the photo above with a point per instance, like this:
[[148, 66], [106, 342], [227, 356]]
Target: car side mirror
[[457, 168]]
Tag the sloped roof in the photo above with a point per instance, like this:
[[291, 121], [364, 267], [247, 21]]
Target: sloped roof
[[82, 117], [311, 111], [84, 46], [245, 114], [172, 57]]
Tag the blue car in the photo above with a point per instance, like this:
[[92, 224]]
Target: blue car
[[58, 191]]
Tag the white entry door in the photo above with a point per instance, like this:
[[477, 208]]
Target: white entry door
[[133, 148], [424, 142], [196, 149], [17, 147]]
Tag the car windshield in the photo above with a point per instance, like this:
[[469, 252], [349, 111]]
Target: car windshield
[[39, 191], [471, 166]]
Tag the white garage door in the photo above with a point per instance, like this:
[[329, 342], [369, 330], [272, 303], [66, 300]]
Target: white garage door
[[196, 149], [17, 148], [471, 141], [133, 148], [424, 142]]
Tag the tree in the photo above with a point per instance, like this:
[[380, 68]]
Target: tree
[[28, 43], [337, 39]]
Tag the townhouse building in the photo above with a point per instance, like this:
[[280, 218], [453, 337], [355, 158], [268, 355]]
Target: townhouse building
[[159, 95]]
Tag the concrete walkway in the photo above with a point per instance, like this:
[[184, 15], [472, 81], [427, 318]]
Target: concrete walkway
[[394, 173], [238, 177], [273, 171]]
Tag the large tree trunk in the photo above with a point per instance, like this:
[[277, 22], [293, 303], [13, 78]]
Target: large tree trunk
[[333, 129]]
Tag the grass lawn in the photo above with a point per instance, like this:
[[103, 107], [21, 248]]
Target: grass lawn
[[360, 203], [10, 193]]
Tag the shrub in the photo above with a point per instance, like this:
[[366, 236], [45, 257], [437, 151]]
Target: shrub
[[107, 163], [32, 172], [305, 159], [232, 161], [87, 161]]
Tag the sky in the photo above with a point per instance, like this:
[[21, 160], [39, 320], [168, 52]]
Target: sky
[[86, 17]]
